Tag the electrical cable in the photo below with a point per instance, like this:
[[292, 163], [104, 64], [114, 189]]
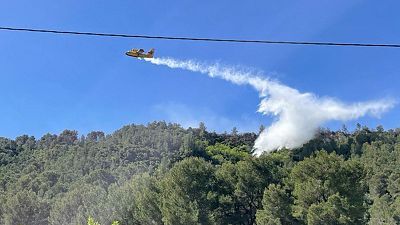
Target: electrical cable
[[202, 39]]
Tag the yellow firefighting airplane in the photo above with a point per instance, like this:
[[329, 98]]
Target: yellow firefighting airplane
[[139, 53]]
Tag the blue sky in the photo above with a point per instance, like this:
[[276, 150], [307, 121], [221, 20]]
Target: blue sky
[[52, 82]]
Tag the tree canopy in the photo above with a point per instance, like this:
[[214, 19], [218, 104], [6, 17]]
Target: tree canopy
[[162, 173]]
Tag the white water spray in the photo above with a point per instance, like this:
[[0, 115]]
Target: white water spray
[[298, 115]]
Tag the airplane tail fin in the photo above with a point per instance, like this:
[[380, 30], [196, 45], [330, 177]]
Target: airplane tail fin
[[151, 52]]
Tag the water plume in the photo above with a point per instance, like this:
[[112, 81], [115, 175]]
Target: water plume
[[297, 115]]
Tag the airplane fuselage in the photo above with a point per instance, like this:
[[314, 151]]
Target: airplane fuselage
[[139, 53]]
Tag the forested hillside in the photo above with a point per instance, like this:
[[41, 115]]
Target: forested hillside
[[164, 174]]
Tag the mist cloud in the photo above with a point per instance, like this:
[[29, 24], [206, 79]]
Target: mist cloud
[[297, 115]]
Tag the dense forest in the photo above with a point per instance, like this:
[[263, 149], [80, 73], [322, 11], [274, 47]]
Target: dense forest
[[164, 174]]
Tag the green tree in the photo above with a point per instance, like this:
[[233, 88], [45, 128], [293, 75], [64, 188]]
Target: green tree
[[382, 211], [241, 187], [319, 177], [277, 206], [91, 221], [25, 208], [234, 131], [186, 193], [335, 211], [77, 205], [202, 129], [220, 153]]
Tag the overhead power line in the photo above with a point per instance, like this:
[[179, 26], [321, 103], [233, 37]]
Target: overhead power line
[[202, 39]]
